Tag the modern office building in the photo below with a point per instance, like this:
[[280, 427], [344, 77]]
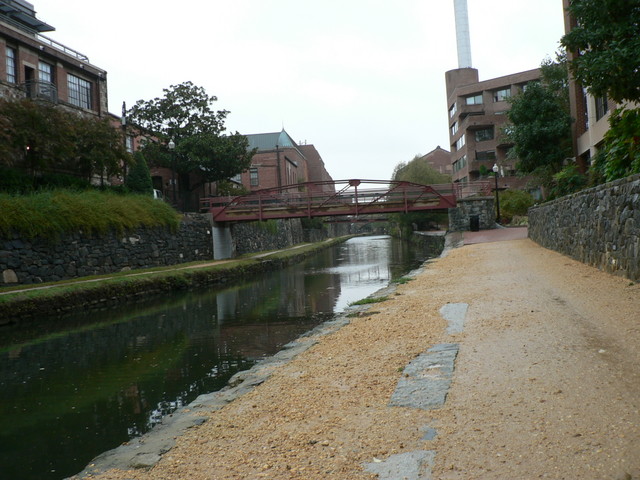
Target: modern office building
[[477, 114], [35, 66]]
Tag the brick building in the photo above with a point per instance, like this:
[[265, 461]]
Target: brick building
[[439, 159], [280, 161], [590, 114], [316, 169], [476, 115], [34, 66]]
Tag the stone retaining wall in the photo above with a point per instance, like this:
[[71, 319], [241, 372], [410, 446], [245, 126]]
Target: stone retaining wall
[[277, 234], [31, 261], [599, 226], [77, 255], [433, 242], [271, 235], [460, 216]]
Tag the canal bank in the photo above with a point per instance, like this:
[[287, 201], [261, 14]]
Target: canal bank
[[100, 292], [518, 406]]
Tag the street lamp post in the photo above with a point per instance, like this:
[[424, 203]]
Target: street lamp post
[[496, 170], [172, 146], [124, 136]]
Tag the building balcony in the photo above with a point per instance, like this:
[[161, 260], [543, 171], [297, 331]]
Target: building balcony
[[38, 90], [466, 110]]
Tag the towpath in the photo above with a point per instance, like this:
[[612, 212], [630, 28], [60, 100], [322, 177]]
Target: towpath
[[546, 383]]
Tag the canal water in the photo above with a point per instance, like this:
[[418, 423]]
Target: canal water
[[74, 387]]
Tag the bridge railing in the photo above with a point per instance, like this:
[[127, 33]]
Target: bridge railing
[[342, 197], [473, 189]]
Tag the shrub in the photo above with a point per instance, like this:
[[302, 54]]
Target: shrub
[[50, 214], [139, 178], [514, 203], [567, 181]]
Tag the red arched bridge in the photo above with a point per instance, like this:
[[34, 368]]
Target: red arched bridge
[[340, 197]]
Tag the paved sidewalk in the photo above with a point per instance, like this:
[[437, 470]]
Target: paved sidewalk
[[495, 235]]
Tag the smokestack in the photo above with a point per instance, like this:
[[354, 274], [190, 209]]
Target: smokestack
[[462, 33]]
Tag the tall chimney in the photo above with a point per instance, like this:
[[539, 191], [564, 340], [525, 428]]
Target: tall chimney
[[462, 33]]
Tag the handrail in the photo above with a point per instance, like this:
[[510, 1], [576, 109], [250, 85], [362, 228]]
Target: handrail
[[46, 40], [38, 89], [59, 46], [346, 197]]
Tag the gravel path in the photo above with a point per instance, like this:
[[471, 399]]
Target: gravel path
[[546, 384]]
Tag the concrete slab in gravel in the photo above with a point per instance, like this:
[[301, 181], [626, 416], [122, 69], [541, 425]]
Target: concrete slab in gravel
[[425, 381], [407, 466], [455, 314]]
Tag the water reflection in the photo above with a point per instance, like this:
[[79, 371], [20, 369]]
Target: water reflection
[[78, 389]]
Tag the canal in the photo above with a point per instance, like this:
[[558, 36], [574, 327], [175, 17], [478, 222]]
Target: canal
[[74, 387]]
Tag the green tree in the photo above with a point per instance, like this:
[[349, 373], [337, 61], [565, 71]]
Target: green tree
[[40, 137], [606, 43], [540, 125], [186, 116], [555, 76], [35, 135], [139, 179], [620, 153], [99, 149], [217, 157], [419, 171]]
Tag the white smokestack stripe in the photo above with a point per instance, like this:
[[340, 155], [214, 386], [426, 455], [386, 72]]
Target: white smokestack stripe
[[462, 33]]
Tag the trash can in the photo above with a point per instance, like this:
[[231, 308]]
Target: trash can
[[474, 223]]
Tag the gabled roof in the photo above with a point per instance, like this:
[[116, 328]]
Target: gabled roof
[[268, 141]]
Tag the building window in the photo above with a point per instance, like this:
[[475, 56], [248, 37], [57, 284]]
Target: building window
[[79, 91], [454, 128], [502, 95], [12, 73], [453, 110], [602, 107], [44, 88], [484, 134], [460, 143], [253, 177], [486, 156], [45, 72], [237, 178], [129, 143], [474, 99], [460, 164], [585, 109]]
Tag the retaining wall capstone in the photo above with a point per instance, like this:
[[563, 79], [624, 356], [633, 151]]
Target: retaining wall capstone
[[28, 261], [599, 226]]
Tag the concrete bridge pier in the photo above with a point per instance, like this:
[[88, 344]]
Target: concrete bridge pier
[[222, 241]]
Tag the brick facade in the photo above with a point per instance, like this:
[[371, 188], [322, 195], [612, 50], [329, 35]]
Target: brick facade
[[591, 123], [30, 48], [477, 111], [280, 161]]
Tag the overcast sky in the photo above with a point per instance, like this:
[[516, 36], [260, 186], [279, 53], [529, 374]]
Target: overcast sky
[[362, 80]]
